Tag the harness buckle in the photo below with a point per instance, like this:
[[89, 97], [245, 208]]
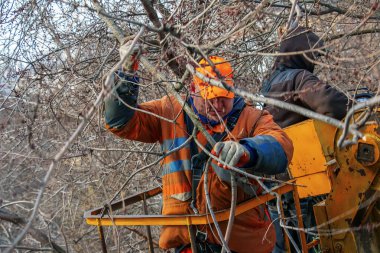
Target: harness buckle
[[195, 210], [201, 236]]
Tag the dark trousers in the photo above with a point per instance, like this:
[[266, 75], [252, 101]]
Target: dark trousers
[[290, 216], [203, 247]]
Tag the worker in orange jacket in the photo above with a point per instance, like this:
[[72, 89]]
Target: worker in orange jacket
[[248, 138]]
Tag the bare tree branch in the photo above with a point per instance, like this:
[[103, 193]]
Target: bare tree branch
[[37, 234]]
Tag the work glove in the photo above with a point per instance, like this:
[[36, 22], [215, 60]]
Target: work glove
[[117, 114], [128, 86], [130, 65], [232, 153]]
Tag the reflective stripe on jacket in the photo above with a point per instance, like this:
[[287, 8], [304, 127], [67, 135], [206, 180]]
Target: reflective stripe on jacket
[[249, 227]]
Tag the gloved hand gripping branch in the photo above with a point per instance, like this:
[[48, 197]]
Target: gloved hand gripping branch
[[126, 88], [131, 64], [233, 154], [262, 154]]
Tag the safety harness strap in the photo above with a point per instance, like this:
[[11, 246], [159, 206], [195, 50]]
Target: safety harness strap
[[198, 159]]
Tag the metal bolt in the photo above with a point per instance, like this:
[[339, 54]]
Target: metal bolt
[[338, 247]]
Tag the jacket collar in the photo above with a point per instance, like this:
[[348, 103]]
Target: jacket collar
[[238, 106]]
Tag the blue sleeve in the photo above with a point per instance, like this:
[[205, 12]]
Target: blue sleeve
[[266, 155], [116, 113]]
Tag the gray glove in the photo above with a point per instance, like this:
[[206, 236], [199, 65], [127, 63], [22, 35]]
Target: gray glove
[[232, 153]]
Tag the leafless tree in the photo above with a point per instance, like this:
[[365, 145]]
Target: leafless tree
[[56, 157]]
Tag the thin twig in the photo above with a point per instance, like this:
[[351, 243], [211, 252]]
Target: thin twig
[[346, 126], [62, 151], [150, 165], [283, 105], [231, 218], [208, 202]]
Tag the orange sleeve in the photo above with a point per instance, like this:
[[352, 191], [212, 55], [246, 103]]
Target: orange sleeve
[[144, 126]]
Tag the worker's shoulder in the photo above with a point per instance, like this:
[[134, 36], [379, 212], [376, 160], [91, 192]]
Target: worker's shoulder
[[304, 75], [252, 113], [169, 103], [290, 79]]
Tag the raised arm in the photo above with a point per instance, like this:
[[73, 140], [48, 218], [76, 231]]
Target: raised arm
[[121, 115]]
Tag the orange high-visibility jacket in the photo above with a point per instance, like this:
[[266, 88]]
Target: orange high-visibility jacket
[[251, 229]]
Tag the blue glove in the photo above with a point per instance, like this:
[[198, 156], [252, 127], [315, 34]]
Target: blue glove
[[117, 114]]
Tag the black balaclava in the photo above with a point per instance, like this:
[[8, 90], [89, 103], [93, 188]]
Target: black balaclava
[[299, 39]]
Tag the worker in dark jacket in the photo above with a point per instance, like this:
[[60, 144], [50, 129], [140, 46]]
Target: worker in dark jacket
[[292, 80]]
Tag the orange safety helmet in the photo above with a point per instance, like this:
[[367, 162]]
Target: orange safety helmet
[[208, 91]]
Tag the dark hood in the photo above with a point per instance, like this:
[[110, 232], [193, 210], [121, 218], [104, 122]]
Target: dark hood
[[300, 39]]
